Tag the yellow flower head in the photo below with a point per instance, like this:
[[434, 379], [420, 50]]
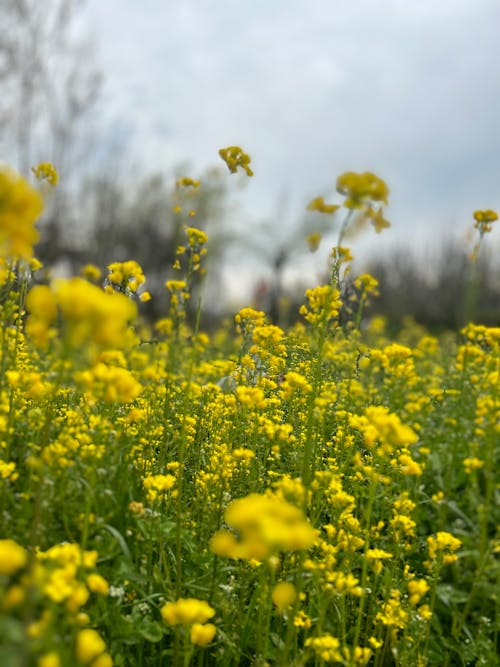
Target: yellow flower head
[[361, 189], [283, 595], [235, 157], [186, 182], [202, 634], [484, 220], [186, 611], [20, 207], [12, 557], [266, 524], [89, 645], [318, 204], [45, 171]]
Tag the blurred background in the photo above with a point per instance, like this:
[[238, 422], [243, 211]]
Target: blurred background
[[124, 98]]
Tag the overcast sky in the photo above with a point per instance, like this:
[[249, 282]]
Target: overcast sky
[[409, 89]]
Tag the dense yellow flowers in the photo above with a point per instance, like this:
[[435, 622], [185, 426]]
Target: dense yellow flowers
[[88, 314], [323, 305], [443, 546], [278, 496]]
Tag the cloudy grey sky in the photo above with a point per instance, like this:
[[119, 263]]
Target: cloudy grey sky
[[310, 88]]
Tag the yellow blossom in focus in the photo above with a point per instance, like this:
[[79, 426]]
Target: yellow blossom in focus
[[235, 157], [323, 304], [157, 485], [443, 545], [417, 588], [196, 237]]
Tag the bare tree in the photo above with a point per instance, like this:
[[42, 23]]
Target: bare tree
[[48, 81]]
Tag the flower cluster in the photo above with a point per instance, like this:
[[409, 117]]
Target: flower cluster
[[235, 157]]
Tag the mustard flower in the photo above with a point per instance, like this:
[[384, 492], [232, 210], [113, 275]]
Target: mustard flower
[[283, 595], [313, 241], [45, 171], [20, 207], [326, 647], [443, 546], [319, 204], [12, 557], [484, 220], [235, 157], [202, 634], [50, 659], [361, 188], [266, 524], [186, 611], [323, 304], [186, 182], [89, 645]]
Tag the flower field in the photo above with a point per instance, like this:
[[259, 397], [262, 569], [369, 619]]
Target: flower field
[[321, 495]]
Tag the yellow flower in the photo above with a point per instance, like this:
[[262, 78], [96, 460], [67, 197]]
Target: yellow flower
[[484, 220], [186, 182], [234, 157], [472, 463], [12, 557], [91, 272], [266, 524], [313, 241], [392, 614], [318, 204], [46, 171], [97, 584], [196, 237], [323, 304], [89, 645], [376, 556], [49, 660], [443, 545], [20, 207], [283, 595], [326, 647], [202, 634], [417, 588], [157, 485], [186, 611], [361, 188]]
